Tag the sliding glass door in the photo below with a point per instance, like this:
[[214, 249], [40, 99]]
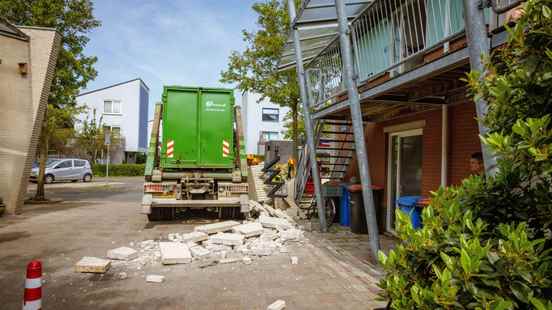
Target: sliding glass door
[[404, 169]]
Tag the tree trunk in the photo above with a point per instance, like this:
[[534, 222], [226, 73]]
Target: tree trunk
[[42, 161]]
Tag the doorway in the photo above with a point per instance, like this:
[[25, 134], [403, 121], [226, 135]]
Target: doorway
[[404, 169]]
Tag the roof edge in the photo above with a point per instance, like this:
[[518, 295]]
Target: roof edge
[[114, 85]]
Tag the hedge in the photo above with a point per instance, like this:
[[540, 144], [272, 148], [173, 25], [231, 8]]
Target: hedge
[[126, 170]]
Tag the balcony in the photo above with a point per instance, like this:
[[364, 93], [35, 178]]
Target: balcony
[[393, 37]]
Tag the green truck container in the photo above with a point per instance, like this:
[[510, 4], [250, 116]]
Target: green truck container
[[198, 160]]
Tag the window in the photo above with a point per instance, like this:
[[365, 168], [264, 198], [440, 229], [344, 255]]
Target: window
[[114, 130], [112, 106], [80, 163], [64, 164], [271, 115], [268, 136]]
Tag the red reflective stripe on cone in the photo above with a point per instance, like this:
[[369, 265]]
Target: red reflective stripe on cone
[[34, 269], [33, 294]]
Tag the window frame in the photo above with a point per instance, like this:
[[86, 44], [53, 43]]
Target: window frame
[[262, 141], [277, 114], [112, 112]]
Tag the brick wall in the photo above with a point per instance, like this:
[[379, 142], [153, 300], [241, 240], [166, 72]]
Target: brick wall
[[463, 141]]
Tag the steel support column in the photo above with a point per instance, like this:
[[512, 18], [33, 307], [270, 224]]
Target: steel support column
[[307, 118], [478, 46], [358, 128]]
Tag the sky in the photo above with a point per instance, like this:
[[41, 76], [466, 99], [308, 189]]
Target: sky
[[167, 42]]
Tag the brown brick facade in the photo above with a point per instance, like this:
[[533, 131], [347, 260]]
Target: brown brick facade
[[463, 141]]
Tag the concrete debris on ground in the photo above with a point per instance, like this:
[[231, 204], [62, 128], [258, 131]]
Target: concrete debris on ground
[[267, 232], [92, 265], [174, 253], [249, 229], [216, 227], [122, 253], [153, 278], [294, 260], [277, 305]]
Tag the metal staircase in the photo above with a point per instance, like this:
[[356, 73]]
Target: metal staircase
[[334, 152]]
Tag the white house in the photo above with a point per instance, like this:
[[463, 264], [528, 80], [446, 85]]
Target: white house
[[263, 121], [123, 108]]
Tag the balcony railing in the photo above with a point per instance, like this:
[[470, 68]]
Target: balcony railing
[[324, 75], [392, 35]]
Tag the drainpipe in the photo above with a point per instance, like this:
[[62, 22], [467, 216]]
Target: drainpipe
[[358, 128], [444, 145], [307, 118], [479, 46]]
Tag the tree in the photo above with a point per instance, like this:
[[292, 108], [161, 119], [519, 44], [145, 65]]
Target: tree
[[487, 244], [256, 68], [90, 139], [73, 19]]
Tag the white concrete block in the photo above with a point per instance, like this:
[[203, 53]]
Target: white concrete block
[[174, 253], [154, 278], [122, 253], [199, 251], [247, 260], [249, 229], [291, 235], [277, 305], [216, 227], [194, 236], [93, 265], [227, 239], [274, 222]]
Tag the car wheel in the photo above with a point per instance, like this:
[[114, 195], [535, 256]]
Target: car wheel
[[49, 179], [87, 177]]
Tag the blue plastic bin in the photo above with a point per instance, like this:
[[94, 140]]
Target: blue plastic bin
[[408, 205], [344, 200]]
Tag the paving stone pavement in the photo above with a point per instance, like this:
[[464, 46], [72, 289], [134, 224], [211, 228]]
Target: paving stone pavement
[[61, 234]]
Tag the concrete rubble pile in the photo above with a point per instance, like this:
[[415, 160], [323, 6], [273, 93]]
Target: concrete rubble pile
[[268, 231]]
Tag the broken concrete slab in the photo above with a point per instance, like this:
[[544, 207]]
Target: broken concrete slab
[[194, 236], [227, 239], [229, 260], [199, 251], [92, 265], [216, 227], [174, 253], [249, 229], [274, 222], [291, 235], [277, 305], [122, 253], [154, 278]]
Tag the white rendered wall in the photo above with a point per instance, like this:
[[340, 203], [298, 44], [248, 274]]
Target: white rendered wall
[[253, 123], [127, 120]]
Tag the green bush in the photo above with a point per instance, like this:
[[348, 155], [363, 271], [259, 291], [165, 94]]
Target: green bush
[[487, 244], [126, 170]]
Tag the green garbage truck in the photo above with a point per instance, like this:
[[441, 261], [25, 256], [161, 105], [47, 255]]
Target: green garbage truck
[[196, 155]]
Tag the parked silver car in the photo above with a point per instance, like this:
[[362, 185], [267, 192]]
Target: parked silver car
[[65, 169]]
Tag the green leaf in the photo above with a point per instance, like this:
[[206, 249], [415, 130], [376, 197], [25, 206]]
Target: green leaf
[[546, 11], [465, 261]]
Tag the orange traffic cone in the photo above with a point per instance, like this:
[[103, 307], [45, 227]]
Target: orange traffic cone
[[32, 299]]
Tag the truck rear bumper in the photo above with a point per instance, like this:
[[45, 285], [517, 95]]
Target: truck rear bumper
[[171, 202]]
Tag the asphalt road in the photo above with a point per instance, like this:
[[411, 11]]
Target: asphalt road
[[95, 218]]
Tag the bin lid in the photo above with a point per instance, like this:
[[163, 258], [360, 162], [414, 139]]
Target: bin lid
[[358, 187], [408, 201]]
